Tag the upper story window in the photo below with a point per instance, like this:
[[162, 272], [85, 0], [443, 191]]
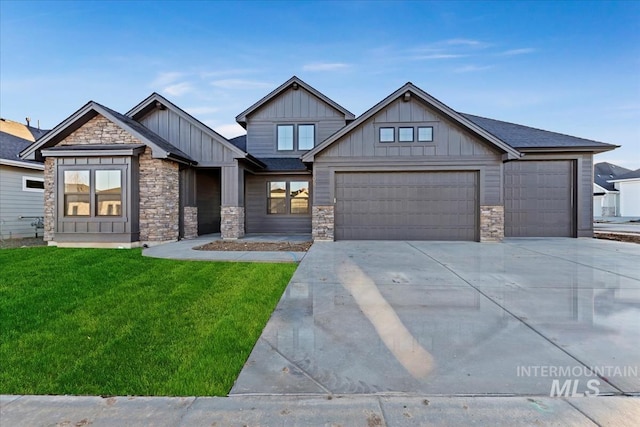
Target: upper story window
[[285, 137], [405, 134], [387, 135], [425, 134], [296, 137]]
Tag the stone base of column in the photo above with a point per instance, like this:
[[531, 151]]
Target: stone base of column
[[322, 223], [491, 223], [190, 221], [232, 222]]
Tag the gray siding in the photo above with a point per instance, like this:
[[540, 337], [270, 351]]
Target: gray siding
[[188, 137], [291, 107], [15, 202], [452, 149], [103, 229], [257, 219]]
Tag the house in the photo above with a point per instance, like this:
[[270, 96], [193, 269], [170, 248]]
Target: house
[[408, 168], [21, 181], [606, 201], [628, 186]]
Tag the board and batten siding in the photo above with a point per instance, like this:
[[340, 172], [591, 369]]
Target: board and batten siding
[[291, 107], [15, 202], [256, 217], [188, 137], [453, 148]]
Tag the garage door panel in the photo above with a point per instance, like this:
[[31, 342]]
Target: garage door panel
[[406, 205], [538, 199]]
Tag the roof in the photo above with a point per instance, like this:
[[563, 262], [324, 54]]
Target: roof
[[523, 137], [627, 176], [604, 171], [240, 142], [242, 117], [21, 130], [155, 99], [10, 148], [160, 147], [286, 164], [411, 89]]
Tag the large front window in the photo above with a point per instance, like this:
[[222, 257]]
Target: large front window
[[92, 193], [288, 197]]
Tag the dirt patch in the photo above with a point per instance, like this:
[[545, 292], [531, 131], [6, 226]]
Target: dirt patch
[[21, 243], [220, 245], [630, 238]]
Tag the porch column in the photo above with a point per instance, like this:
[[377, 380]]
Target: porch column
[[232, 202]]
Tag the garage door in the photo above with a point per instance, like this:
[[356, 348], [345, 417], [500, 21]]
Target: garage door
[[538, 199], [406, 206]]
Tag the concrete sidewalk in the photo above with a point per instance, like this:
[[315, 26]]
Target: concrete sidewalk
[[354, 410], [183, 249]]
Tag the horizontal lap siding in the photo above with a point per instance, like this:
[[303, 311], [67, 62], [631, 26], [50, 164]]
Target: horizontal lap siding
[[257, 219], [14, 202]]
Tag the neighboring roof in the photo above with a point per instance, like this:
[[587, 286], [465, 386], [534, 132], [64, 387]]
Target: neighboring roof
[[242, 117], [524, 137], [10, 148], [160, 147], [633, 175], [273, 164], [21, 130], [409, 87], [240, 142], [602, 172], [156, 100]]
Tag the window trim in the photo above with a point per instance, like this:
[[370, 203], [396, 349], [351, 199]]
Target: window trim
[[425, 127], [296, 137], [413, 134], [393, 134], [293, 136], [396, 126], [297, 142], [26, 178], [287, 197]]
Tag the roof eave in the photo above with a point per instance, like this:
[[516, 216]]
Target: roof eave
[[590, 149], [21, 164]]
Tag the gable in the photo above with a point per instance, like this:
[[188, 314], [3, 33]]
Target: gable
[[294, 104], [449, 139], [99, 130], [188, 137]]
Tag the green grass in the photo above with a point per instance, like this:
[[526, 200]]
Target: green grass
[[111, 322]]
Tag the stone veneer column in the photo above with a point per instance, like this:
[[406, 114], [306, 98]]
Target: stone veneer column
[[159, 199], [49, 199], [232, 222], [322, 222], [190, 222], [491, 223]]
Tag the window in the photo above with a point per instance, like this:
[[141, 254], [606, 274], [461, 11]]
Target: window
[[90, 193], [288, 197], [425, 134], [277, 198], [387, 134], [306, 137], [405, 134], [108, 193], [77, 196], [285, 137], [33, 184]]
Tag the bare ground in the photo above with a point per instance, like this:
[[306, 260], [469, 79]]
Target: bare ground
[[21, 243], [220, 245], [630, 238]]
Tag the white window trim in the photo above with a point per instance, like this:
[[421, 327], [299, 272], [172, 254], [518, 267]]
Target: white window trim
[[26, 178]]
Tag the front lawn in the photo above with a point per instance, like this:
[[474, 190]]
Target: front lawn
[[111, 322]]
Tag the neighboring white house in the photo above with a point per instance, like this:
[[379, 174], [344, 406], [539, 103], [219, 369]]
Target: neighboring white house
[[628, 185], [21, 182], [606, 197]]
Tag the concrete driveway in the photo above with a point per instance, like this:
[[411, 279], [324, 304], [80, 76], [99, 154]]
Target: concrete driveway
[[523, 317]]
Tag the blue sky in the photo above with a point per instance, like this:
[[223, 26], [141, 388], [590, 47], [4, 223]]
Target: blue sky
[[571, 67]]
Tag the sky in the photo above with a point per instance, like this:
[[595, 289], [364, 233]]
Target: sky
[[569, 67]]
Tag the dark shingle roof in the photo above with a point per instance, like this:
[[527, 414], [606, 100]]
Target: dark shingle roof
[[604, 171], [629, 175], [11, 146], [519, 136], [283, 164], [240, 142], [37, 132]]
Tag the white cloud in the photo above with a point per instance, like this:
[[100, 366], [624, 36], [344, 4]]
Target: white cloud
[[240, 84], [201, 110], [472, 68], [230, 130], [325, 66], [178, 89], [464, 42], [166, 78], [522, 51]]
